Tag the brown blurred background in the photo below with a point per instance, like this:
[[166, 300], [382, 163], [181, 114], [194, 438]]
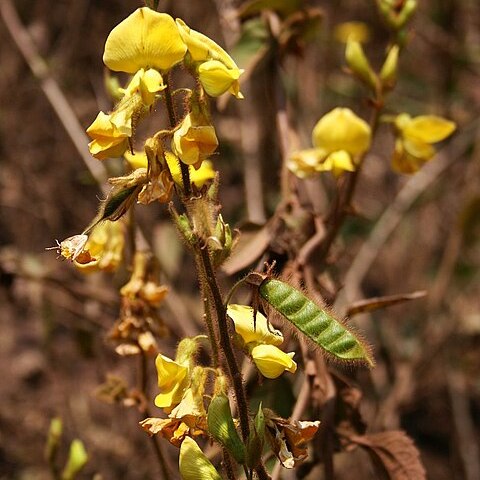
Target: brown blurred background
[[53, 347]]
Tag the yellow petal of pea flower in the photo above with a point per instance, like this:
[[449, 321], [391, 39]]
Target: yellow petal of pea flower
[[341, 129], [199, 177], [203, 48], [216, 78], [145, 39], [173, 380], [271, 361], [260, 332], [337, 162], [147, 84], [105, 245], [305, 163], [415, 136], [193, 464], [194, 142], [107, 139], [218, 73]]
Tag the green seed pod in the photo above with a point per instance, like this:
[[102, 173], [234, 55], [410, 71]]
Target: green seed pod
[[222, 428], [316, 323]]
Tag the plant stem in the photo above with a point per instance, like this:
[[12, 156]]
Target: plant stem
[[225, 345]]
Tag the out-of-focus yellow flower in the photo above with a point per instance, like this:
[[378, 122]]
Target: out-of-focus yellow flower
[[107, 139], [217, 71], [147, 83], [250, 331], [357, 31], [193, 464], [341, 129], [199, 177], [338, 137], [105, 244], [415, 136], [305, 163], [173, 380], [271, 361], [193, 141], [145, 39]]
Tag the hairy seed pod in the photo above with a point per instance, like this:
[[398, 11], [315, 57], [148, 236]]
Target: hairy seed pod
[[316, 323]]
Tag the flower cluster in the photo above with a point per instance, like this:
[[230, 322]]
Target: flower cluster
[[148, 44], [261, 341]]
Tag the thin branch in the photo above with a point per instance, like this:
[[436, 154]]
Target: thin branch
[[50, 88]]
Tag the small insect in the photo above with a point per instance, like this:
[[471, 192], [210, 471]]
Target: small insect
[[314, 322], [72, 248]]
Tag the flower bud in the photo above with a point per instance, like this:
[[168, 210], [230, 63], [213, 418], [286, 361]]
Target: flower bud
[[388, 74], [359, 64]]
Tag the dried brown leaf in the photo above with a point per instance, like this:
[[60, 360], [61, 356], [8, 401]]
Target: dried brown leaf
[[394, 455], [375, 303]]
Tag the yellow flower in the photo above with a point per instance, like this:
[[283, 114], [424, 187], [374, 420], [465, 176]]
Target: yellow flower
[[145, 39], [413, 146], [305, 163], [271, 361], [260, 332], [105, 245], [194, 141], [217, 71], [173, 380], [216, 78], [198, 177], [146, 83], [338, 137], [193, 464], [107, 139], [341, 129], [357, 31]]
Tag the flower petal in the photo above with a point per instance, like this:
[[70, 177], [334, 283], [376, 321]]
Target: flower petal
[[429, 128], [260, 332], [193, 464], [216, 78], [144, 39], [341, 129], [271, 361]]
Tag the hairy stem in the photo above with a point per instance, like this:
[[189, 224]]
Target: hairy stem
[[224, 338], [187, 187]]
